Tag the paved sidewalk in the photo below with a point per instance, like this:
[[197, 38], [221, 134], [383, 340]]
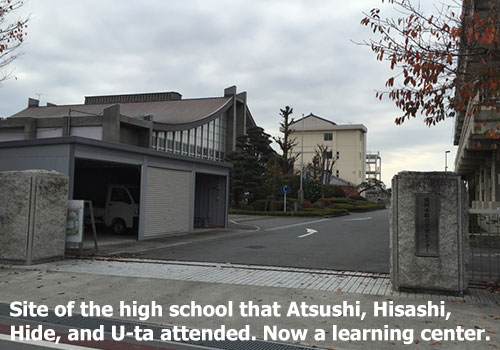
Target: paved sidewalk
[[109, 282], [264, 276]]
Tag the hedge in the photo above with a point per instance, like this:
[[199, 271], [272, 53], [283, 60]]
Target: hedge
[[320, 212]]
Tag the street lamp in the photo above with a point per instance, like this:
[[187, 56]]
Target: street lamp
[[301, 191], [446, 161]]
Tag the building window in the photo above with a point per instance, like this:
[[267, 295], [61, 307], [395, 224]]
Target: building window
[[192, 142], [329, 155], [170, 141], [161, 141], [206, 133], [328, 136], [178, 141], [153, 139], [185, 142]]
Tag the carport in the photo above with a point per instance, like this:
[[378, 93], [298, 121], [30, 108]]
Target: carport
[[174, 191]]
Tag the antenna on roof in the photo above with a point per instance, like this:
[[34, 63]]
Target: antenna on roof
[[38, 95]]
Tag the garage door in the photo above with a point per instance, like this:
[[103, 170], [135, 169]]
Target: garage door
[[168, 196]]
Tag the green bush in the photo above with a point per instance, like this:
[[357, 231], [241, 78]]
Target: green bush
[[368, 207], [325, 200], [245, 207], [318, 205], [312, 190], [345, 206], [259, 205], [317, 212], [357, 197], [333, 191], [340, 200]]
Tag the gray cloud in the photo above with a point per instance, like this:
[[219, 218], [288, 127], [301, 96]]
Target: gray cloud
[[297, 53]]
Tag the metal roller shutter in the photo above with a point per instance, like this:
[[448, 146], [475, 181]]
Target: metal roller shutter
[[168, 194]]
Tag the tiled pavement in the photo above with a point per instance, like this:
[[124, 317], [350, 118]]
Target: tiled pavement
[[265, 276]]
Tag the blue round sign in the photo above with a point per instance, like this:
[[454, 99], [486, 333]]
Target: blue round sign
[[285, 189]]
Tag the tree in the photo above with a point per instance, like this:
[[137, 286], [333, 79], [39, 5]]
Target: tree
[[322, 164], [249, 160], [369, 184], [442, 60], [286, 143], [12, 35]]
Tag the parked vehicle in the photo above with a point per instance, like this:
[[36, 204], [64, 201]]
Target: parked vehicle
[[121, 208]]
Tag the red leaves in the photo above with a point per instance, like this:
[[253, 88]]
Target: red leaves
[[426, 52]]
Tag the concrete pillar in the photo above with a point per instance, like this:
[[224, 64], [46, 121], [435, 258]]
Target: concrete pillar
[[429, 226], [66, 127], [231, 120], [111, 124], [241, 114], [30, 129], [33, 207]]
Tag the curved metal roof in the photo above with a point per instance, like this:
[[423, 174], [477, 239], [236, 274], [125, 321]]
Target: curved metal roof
[[175, 112]]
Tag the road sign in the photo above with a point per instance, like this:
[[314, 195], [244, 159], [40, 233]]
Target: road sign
[[285, 189]]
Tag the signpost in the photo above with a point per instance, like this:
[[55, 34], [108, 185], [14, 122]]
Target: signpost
[[285, 189]]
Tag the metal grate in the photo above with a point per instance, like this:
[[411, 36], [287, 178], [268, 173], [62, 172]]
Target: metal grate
[[92, 323], [484, 235]]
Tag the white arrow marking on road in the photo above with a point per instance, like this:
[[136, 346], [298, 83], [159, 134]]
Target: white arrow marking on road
[[310, 231], [358, 219]]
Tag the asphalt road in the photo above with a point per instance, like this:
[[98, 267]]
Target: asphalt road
[[358, 242]]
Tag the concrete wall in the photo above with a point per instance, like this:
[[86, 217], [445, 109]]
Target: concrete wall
[[91, 132], [11, 134]]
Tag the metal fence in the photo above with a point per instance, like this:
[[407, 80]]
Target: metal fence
[[484, 235]]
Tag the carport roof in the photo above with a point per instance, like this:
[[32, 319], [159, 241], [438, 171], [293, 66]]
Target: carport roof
[[72, 140], [165, 112]]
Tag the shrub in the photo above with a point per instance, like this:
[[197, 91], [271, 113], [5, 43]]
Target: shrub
[[316, 212], [312, 190], [325, 200], [333, 191], [357, 197], [306, 204], [318, 205], [259, 205], [340, 200], [245, 207], [367, 207]]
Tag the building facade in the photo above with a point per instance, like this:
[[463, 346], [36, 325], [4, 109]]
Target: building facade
[[171, 149], [346, 146]]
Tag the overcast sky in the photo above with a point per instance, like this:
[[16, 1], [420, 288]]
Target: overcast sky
[[296, 53]]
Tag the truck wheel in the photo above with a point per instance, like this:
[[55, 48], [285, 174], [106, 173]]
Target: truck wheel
[[119, 226]]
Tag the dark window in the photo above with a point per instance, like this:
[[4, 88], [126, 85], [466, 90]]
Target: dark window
[[328, 136], [329, 155], [120, 195]]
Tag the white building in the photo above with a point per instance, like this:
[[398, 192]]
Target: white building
[[346, 145]]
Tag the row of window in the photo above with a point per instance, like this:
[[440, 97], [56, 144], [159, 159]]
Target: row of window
[[207, 141]]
